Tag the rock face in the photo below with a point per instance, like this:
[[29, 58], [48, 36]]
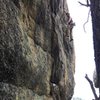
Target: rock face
[[36, 50]]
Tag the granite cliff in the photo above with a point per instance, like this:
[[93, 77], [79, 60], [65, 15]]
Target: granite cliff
[[36, 50]]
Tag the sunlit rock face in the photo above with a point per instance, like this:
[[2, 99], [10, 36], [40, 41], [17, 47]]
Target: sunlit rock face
[[36, 50]]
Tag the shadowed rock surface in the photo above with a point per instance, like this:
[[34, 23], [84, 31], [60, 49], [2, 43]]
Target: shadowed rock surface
[[36, 50]]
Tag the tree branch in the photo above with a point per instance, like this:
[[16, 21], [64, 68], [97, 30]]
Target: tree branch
[[86, 21], [92, 87], [86, 5]]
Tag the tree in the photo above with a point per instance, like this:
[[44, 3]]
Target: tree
[[92, 87], [95, 14]]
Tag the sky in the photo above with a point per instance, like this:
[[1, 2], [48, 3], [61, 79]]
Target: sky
[[83, 49]]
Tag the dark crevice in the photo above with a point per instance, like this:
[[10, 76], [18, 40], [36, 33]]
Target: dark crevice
[[55, 54], [40, 18], [16, 2], [54, 6]]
